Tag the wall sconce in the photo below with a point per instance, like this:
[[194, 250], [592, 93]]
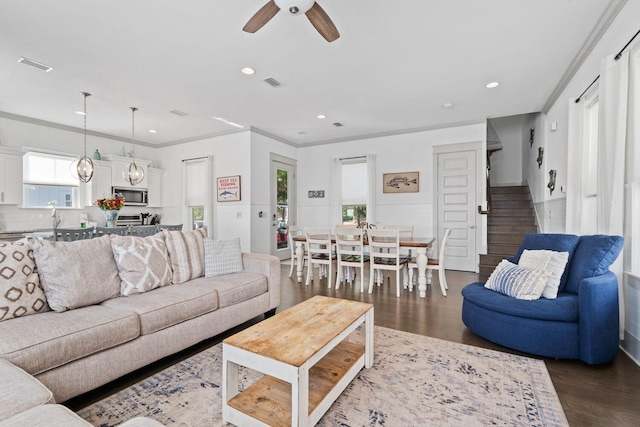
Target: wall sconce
[[552, 181], [540, 155], [532, 132]]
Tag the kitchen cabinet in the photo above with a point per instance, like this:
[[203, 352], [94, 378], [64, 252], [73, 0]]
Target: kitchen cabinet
[[100, 184], [120, 164], [10, 177], [154, 187]]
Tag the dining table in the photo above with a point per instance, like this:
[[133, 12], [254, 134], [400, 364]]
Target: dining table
[[420, 244]]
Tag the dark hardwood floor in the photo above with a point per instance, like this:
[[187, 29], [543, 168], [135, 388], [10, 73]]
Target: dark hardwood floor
[[605, 395]]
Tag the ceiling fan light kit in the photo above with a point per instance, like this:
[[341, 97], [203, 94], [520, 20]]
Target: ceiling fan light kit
[[316, 15]]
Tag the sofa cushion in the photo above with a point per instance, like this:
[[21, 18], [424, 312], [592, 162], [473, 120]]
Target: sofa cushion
[[143, 263], [168, 306], [186, 252], [518, 282], [555, 262], [20, 290], [552, 242], [235, 288], [76, 274], [48, 340], [564, 308], [593, 257], [46, 415], [20, 391], [222, 257]]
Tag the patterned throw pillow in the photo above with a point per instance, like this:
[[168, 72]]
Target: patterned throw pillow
[[222, 257], [518, 282], [143, 263], [20, 290], [186, 252], [546, 260]]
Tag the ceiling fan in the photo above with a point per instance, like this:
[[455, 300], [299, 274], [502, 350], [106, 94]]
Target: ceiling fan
[[318, 17]]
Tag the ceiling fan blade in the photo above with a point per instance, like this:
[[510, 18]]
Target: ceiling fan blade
[[322, 23], [261, 17]]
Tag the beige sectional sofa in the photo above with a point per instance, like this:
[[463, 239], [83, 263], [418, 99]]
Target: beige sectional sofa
[[96, 334]]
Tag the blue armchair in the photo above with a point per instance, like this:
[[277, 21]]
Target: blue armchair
[[581, 323]]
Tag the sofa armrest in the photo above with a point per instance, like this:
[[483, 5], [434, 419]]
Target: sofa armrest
[[599, 320], [20, 391], [268, 266]]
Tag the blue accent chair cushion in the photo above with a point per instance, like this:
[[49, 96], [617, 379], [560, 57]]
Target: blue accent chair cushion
[[581, 323]]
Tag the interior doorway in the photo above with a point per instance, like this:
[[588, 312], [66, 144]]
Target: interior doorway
[[283, 204]]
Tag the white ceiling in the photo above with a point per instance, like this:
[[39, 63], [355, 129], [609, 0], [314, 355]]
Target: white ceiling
[[394, 66]]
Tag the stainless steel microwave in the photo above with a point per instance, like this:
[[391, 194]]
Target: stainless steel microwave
[[132, 196]]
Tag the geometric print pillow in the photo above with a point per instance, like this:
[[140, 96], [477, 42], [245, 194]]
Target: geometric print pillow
[[222, 257], [517, 281], [20, 290], [143, 263], [186, 252]]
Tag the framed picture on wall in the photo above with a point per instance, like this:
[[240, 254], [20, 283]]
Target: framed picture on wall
[[401, 182], [229, 188]]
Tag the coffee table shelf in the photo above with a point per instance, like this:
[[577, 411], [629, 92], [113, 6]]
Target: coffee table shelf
[[269, 399]]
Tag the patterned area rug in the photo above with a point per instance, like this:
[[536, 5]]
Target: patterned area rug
[[414, 381]]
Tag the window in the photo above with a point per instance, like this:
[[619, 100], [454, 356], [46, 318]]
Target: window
[[48, 179], [354, 190], [196, 177]]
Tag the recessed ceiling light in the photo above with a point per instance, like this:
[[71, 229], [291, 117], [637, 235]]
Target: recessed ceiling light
[[39, 65], [153, 131], [447, 105], [248, 70], [493, 84], [321, 116], [82, 113]]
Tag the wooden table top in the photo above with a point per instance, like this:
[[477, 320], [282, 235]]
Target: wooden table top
[[408, 242], [296, 334]]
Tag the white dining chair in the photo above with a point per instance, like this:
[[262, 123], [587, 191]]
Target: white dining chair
[[294, 232], [384, 254], [406, 232], [434, 264], [350, 252], [320, 250]]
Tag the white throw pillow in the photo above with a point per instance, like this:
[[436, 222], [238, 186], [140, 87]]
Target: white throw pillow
[[546, 260], [143, 263], [517, 281], [222, 257]]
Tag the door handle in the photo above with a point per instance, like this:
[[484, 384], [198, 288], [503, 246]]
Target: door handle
[[472, 226]]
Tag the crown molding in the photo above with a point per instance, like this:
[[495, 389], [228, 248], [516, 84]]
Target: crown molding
[[601, 27], [199, 137]]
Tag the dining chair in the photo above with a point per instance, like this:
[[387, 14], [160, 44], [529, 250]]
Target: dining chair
[[71, 234], [295, 231], [350, 253], [384, 254], [434, 264], [176, 227], [320, 251], [101, 231], [142, 230], [406, 232]]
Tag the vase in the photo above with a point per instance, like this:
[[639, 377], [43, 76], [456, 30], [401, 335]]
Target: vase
[[111, 216]]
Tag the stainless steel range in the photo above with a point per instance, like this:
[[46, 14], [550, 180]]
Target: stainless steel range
[[129, 219]]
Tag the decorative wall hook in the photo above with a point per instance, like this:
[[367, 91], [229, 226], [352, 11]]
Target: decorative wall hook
[[552, 181], [540, 155], [532, 132]]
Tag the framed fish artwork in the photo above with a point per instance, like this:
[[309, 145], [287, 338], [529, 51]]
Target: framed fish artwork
[[229, 188], [401, 182]]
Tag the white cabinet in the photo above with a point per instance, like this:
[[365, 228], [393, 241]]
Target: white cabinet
[[120, 164], [10, 178], [154, 187], [100, 184]]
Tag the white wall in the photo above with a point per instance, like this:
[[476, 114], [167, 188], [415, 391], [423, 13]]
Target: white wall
[[18, 134], [504, 170], [398, 153]]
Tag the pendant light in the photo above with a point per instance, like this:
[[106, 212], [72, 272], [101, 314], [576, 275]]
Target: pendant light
[[84, 165], [134, 173]]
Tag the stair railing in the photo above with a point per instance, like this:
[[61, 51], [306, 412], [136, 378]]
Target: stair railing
[[488, 210]]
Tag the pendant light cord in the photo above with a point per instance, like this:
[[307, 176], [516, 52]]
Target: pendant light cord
[[133, 132], [86, 94]]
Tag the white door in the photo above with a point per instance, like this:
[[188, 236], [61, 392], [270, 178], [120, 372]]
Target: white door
[[283, 206], [457, 208]]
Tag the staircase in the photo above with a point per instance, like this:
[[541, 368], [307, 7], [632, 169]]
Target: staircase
[[512, 216]]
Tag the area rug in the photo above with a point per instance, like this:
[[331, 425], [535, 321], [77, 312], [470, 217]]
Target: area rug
[[414, 381]]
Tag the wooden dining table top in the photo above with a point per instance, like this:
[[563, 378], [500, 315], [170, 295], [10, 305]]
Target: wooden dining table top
[[408, 242]]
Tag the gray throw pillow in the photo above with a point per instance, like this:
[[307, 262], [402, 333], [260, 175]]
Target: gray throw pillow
[[76, 274], [222, 257], [186, 252]]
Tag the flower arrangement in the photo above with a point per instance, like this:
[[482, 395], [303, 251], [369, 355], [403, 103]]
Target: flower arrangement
[[112, 203]]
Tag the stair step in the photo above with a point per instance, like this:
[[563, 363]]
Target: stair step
[[493, 220], [510, 189], [511, 212], [508, 238], [491, 259], [484, 273], [513, 228], [502, 248], [511, 204], [510, 196]]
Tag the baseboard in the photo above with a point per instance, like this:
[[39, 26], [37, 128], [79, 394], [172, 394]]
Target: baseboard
[[631, 346]]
